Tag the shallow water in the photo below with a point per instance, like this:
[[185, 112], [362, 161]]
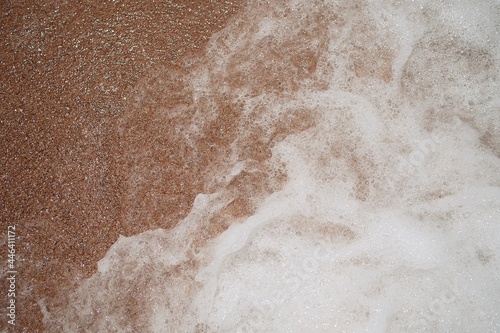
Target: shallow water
[[323, 166]]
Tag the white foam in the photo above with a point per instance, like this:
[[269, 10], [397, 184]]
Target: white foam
[[389, 218]]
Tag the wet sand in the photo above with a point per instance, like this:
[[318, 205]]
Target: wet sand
[[68, 120]]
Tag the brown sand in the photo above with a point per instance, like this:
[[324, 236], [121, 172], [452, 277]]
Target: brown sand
[[66, 70]]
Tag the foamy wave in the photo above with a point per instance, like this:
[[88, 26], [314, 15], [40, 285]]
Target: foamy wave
[[344, 156]]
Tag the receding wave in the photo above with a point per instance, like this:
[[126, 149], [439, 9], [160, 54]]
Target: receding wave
[[344, 160]]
